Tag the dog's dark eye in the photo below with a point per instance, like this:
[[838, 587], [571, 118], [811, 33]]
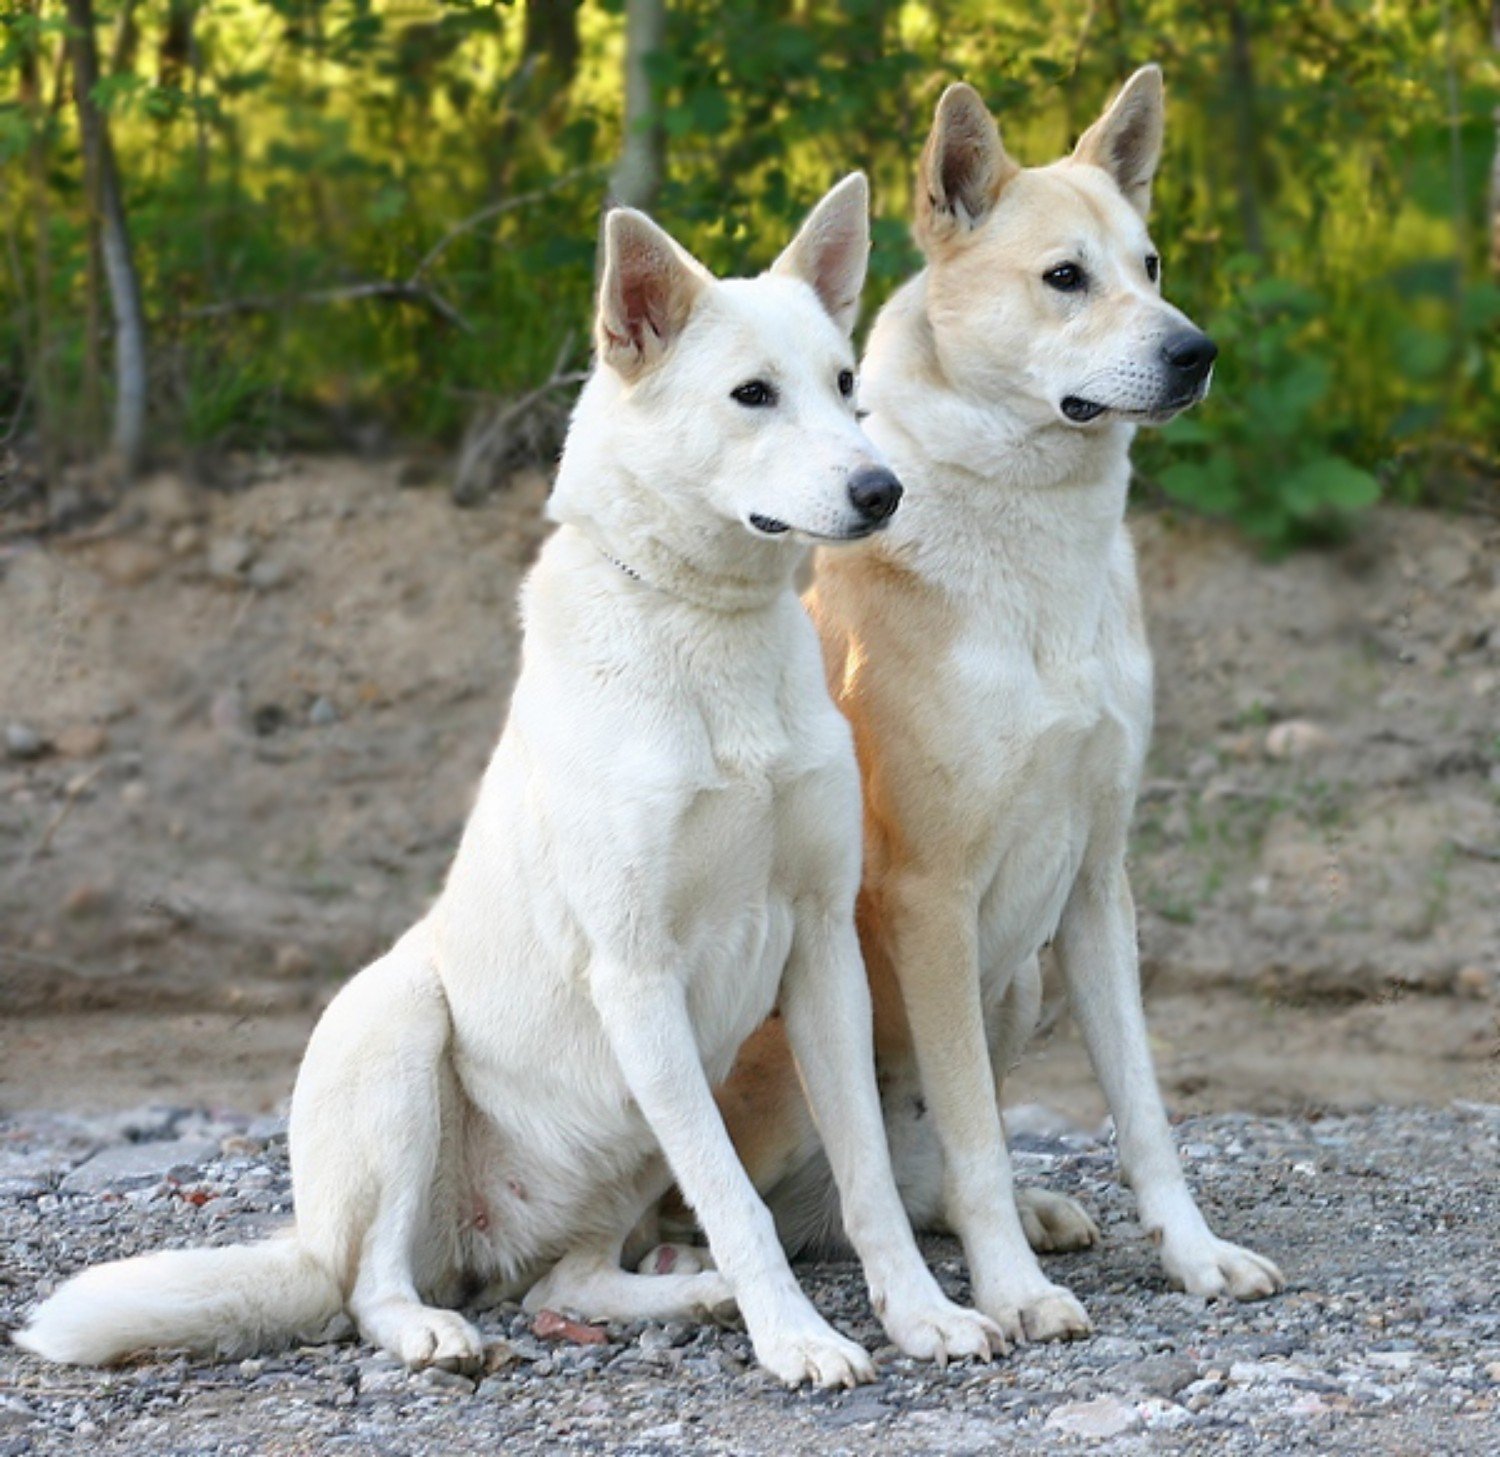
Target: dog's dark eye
[[1065, 278], [754, 394], [1153, 267], [846, 382]]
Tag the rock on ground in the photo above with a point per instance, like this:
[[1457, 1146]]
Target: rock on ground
[[1387, 1339]]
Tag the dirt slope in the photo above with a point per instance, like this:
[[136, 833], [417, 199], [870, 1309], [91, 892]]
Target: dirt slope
[[243, 731]]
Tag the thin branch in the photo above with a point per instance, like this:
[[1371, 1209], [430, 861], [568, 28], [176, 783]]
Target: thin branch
[[558, 379], [43, 963], [75, 792], [414, 289], [499, 209], [22, 400], [480, 443], [408, 291]]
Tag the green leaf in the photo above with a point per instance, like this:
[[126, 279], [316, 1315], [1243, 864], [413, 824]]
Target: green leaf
[[1328, 483], [1205, 485], [1190, 430]]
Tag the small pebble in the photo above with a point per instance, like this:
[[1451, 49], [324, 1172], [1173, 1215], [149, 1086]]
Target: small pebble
[[23, 742]]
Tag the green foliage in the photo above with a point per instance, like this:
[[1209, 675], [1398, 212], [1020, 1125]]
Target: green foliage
[[1264, 454], [1320, 209]]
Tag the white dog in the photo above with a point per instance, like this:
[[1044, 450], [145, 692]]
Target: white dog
[[990, 653], [664, 848]]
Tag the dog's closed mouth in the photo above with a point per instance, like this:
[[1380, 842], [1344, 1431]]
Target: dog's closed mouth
[[769, 525], [1080, 410]]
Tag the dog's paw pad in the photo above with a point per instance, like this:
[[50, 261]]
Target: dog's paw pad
[[673, 1259]]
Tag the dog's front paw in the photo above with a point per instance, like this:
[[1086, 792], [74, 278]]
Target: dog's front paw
[[1214, 1267], [813, 1352], [1054, 1223], [441, 1338], [942, 1331], [1050, 1314]]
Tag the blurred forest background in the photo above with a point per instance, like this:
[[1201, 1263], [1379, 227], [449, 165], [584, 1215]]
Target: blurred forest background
[[266, 225]]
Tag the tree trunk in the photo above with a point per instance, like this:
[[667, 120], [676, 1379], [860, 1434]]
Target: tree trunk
[[41, 349], [1246, 130], [175, 50], [552, 33], [638, 177], [119, 266], [127, 38], [1495, 165]]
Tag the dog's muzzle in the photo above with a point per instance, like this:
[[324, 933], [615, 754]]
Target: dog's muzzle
[[1189, 355], [874, 492]]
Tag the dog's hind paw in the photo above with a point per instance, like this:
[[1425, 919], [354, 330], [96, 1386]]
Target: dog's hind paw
[[1217, 1268], [441, 1338], [675, 1259], [1054, 1223]]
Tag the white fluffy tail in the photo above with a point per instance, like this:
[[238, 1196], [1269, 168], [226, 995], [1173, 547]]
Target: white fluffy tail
[[227, 1302]]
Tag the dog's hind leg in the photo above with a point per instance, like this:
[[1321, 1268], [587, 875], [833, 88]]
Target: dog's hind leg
[[590, 1282], [1053, 1222], [374, 1150]]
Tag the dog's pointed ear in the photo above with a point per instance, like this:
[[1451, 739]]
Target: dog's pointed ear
[[1126, 140], [832, 250], [646, 295], [964, 169]]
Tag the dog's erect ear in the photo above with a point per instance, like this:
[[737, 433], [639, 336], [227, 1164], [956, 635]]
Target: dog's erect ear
[[1126, 140], [963, 171], [647, 293], [832, 250]]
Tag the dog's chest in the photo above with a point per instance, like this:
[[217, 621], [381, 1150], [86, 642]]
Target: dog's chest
[[748, 845], [1058, 775]]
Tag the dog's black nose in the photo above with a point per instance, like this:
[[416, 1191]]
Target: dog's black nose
[[874, 492], [1190, 353]]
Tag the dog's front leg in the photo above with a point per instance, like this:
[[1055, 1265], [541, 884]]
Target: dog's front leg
[[934, 942], [825, 1002], [646, 1019], [1097, 951]]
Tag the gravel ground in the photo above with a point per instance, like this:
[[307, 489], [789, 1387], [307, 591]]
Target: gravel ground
[[1386, 1341]]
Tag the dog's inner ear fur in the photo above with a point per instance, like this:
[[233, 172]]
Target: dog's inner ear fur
[[964, 168], [832, 250], [648, 292], [1126, 140]]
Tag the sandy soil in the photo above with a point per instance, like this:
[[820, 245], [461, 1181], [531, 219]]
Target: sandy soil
[[243, 731]]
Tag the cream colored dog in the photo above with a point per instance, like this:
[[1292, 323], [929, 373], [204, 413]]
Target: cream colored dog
[[990, 653], [665, 845]]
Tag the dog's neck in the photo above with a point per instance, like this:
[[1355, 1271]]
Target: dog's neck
[[1001, 500], [695, 557], [715, 584]]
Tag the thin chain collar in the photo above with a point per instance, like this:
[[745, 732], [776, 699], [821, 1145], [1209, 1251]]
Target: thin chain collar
[[623, 566], [684, 590]]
